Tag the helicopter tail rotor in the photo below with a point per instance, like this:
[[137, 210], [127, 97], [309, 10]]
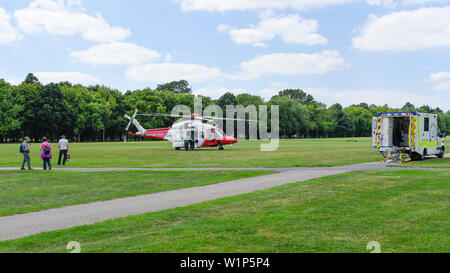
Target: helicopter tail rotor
[[131, 119]]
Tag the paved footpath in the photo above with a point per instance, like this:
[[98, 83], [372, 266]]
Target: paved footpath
[[18, 226]]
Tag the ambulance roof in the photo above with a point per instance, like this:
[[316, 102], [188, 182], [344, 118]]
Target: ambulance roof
[[406, 113]]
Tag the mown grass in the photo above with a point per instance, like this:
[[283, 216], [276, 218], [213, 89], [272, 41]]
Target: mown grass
[[405, 211], [291, 153], [429, 163], [31, 191]]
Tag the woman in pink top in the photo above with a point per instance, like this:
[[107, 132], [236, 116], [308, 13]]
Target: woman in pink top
[[46, 153]]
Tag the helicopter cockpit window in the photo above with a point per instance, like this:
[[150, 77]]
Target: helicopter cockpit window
[[219, 133]]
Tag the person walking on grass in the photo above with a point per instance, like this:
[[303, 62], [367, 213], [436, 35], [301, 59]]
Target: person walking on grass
[[63, 150], [46, 153], [25, 149]]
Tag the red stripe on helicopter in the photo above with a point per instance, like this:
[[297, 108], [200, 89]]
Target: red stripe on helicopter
[[157, 133]]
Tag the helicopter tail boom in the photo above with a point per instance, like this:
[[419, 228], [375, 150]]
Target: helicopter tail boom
[[157, 133]]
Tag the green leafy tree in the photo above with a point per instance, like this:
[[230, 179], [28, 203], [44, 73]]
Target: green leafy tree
[[248, 99], [299, 95], [408, 107], [294, 117], [226, 99], [87, 109], [9, 110], [177, 87], [360, 121], [337, 113], [51, 118], [31, 79]]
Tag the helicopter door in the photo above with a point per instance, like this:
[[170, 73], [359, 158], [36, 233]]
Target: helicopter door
[[210, 135], [187, 134], [196, 135]]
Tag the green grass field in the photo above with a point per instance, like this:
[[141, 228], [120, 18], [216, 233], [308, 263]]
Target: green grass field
[[30, 191], [340, 213], [429, 163], [291, 153]]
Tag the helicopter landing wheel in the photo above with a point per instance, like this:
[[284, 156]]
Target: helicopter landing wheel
[[221, 148], [177, 149]]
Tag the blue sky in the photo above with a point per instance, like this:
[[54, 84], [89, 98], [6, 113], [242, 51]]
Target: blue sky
[[346, 51]]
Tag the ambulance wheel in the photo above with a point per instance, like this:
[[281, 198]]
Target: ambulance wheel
[[416, 156], [442, 153], [422, 157]]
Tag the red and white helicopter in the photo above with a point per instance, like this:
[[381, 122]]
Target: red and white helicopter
[[189, 133]]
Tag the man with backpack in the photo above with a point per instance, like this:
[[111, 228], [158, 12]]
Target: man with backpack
[[25, 149]]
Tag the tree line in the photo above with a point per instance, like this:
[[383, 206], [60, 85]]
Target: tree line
[[95, 113]]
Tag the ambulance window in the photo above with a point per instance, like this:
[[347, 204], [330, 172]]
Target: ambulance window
[[426, 124]]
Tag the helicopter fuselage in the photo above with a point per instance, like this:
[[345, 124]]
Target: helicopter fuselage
[[193, 131]]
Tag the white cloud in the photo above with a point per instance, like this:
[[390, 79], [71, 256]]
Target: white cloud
[[67, 18], [393, 98], [260, 45], [273, 89], [116, 53], [440, 76], [395, 3], [72, 77], [8, 33], [421, 2], [406, 30], [250, 36], [268, 92], [295, 64], [167, 72], [227, 5], [14, 81], [223, 27], [384, 3], [441, 80], [291, 28]]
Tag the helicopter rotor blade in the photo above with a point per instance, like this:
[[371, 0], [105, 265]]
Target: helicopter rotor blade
[[164, 115], [206, 118], [234, 119]]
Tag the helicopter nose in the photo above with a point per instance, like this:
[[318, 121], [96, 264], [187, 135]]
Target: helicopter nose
[[228, 140]]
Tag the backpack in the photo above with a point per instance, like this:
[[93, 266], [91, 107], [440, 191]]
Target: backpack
[[21, 149], [47, 150]]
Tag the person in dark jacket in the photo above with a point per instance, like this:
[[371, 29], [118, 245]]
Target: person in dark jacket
[[25, 149]]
